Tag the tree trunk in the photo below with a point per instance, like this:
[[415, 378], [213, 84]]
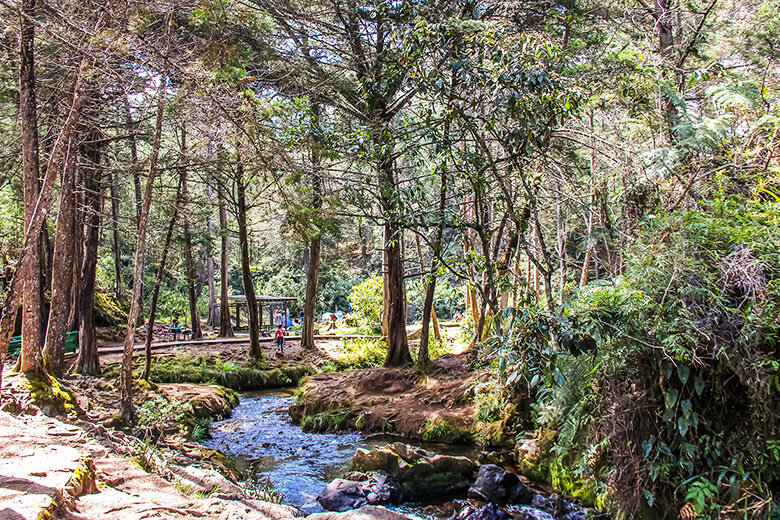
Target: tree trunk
[[126, 410], [309, 305], [158, 280], [315, 246], [188, 263], [225, 326], [63, 269], [30, 359], [395, 298], [397, 345], [116, 243], [132, 129], [428, 309], [88, 360], [32, 232], [249, 288]]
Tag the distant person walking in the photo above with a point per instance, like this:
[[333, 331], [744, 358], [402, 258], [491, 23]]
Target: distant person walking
[[279, 340], [278, 318]]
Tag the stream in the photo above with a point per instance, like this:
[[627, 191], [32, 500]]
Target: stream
[[262, 437]]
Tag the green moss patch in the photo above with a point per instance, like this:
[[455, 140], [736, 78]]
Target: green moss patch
[[213, 371]]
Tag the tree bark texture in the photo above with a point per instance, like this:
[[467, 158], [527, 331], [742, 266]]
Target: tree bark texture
[[88, 360], [30, 359], [315, 248], [63, 269], [32, 232]]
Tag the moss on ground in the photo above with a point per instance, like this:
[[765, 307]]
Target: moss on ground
[[213, 371], [49, 393], [546, 466], [326, 422], [443, 430]]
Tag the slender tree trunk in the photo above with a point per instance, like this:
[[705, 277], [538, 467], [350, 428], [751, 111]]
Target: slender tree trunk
[[433, 318], [126, 409], [225, 326], [422, 356], [213, 319], [158, 280], [30, 359], [315, 245], [88, 359], [132, 128], [188, 263], [116, 243], [249, 287], [63, 269], [561, 232], [32, 232]]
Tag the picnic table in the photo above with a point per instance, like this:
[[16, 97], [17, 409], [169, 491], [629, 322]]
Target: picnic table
[[176, 332]]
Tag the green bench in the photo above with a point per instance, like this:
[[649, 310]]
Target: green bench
[[70, 343]]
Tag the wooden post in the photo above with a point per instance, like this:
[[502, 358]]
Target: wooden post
[[238, 314], [261, 314]]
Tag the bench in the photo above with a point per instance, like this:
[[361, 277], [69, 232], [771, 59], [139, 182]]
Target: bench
[[71, 340]]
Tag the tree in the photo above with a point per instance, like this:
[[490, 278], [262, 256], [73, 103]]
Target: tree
[[255, 352], [30, 359], [126, 407]]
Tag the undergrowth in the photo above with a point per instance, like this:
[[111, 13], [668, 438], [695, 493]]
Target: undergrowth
[[661, 385]]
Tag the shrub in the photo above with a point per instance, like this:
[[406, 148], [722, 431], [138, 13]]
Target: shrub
[[366, 300]]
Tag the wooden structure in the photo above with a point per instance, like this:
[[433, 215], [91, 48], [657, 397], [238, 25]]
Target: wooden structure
[[262, 301]]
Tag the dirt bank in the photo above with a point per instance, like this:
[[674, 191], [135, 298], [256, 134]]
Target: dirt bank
[[434, 406]]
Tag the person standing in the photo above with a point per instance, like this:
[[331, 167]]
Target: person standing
[[279, 340]]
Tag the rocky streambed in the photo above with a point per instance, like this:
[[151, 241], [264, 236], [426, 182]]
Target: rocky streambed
[[347, 471]]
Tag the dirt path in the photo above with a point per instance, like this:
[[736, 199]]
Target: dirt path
[[44, 473]]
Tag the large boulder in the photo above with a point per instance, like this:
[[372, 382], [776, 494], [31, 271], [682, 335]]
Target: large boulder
[[419, 473], [344, 495], [494, 484]]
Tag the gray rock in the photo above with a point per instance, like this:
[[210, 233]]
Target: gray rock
[[487, 512], [344, 495], [419, 473], [497, 485]]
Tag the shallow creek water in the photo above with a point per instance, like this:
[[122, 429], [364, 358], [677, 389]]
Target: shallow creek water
[[261, 435]]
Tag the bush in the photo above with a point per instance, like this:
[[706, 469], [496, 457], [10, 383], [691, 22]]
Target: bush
[[366, 300], [683, 348]]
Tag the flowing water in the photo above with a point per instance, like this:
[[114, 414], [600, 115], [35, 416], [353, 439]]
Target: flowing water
[[262, 437]]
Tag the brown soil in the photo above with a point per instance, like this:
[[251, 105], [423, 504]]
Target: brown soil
[[397, 399]]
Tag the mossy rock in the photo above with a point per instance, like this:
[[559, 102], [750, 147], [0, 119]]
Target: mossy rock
[[107, 311], [50, 397]]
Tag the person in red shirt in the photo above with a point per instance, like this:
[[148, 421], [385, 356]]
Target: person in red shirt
[[279, 340]]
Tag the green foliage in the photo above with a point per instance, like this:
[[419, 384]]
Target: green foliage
[[444, 430], [155, 418], [325, 422], [366, 300], [361, 353]]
